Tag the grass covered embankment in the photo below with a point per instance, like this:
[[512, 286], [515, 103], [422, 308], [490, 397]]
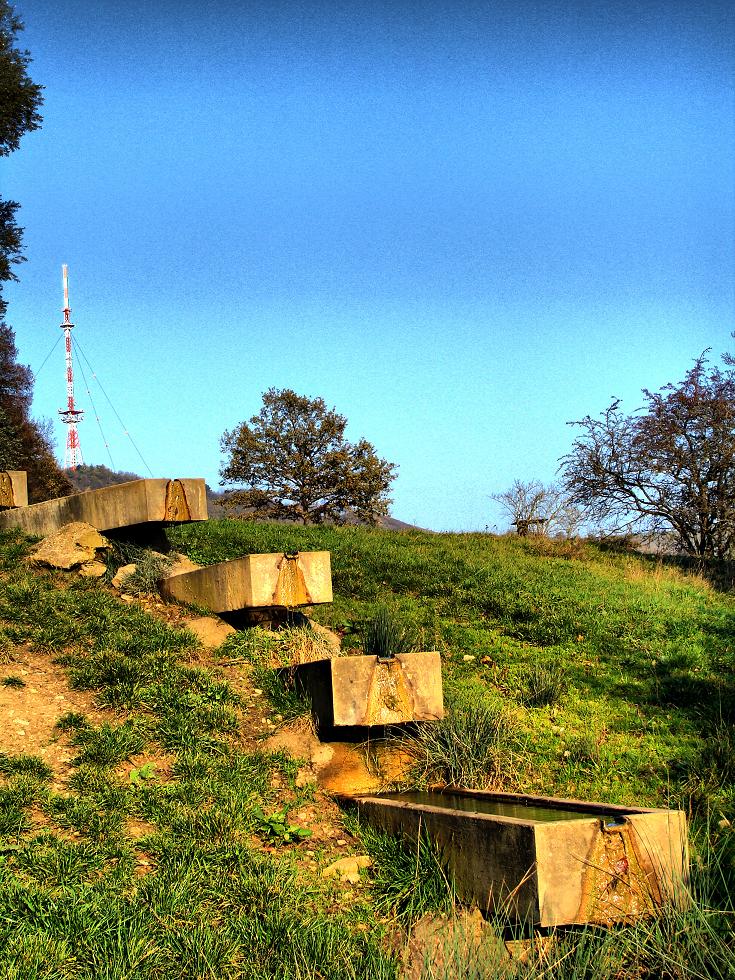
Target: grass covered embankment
[[149, 855], [615, 674], [157, 852]]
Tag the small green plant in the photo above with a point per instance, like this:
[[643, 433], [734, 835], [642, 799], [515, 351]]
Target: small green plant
[[142, 775], [546, 684], [71, 721], [13, 681], [277, 826], [385, 636]]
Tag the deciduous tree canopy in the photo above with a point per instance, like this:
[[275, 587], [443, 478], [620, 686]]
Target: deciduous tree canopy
[[294, 463], [668, 466]]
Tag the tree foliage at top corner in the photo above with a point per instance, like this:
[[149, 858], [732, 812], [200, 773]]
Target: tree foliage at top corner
[[669, 466], [20, 97], [20, 101], [293, 463], [24, 444]]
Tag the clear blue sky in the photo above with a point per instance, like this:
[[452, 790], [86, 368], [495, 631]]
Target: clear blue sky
[[461, 224]]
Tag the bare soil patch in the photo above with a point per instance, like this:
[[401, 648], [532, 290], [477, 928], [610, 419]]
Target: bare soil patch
[[28, 714]]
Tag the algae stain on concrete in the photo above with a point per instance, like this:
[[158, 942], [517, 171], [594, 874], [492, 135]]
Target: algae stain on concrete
[[6, 491], [176, 506]]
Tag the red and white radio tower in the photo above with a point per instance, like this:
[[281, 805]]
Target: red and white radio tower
[[70, 415]]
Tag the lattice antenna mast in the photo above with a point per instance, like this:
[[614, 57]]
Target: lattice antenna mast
[[70, 415]]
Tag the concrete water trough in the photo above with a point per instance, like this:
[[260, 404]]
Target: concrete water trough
[[13, 489], [285, 580], [544, 861], [124, 505], [363, 691]]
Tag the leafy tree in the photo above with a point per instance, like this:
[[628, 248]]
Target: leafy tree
[[24, 444], [295, 464], [20, 97], [669, 466], [20, 100]]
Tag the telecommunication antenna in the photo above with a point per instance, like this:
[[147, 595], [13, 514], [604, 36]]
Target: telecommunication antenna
[[70, 415]]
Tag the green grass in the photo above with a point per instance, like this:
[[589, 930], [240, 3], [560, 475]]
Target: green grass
[[408, 878], [614, 667], [81, 896], [568, 670]]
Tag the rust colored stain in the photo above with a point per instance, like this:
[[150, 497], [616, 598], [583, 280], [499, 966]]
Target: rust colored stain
[[389, 698], [291, 587], [177, 509], [617, 887], [7, 498]]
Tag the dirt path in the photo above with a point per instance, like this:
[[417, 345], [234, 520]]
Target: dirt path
[[28, 714]]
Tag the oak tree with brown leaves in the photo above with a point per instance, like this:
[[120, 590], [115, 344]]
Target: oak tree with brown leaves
[[293, 463]]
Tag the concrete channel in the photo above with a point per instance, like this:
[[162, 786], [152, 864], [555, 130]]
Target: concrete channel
[[544, 861]]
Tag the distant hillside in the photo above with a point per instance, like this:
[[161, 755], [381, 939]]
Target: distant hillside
[[95, 477], [219, 509]]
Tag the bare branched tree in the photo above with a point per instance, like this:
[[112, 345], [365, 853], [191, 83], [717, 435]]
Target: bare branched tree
[[669, 466], [539, 508]]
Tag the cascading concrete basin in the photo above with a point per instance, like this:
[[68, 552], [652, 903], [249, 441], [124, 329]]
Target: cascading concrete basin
[[287, 580], [123, 505], [544, 861], [360, 691], [13, 489]]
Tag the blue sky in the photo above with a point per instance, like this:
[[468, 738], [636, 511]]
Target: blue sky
[[461, 224]]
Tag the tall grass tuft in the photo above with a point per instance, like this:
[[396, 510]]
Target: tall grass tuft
[[150, 568], [546, 684], [472, 747], [408, 876], [386, 636]]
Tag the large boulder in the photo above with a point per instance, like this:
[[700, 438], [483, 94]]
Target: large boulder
[[71, 546]]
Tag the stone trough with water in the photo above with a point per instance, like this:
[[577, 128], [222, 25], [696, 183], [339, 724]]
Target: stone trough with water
[[540, 860], [364, 691]]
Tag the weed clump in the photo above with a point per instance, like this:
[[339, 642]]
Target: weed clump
[[471, 747], [109, 745], [29, 765], [150, 568], [13, 681], [386, 636], [408, 876], [546, 684]]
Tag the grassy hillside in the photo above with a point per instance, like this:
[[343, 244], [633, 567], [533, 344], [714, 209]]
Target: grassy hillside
[[613, 672], [152, 841]]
